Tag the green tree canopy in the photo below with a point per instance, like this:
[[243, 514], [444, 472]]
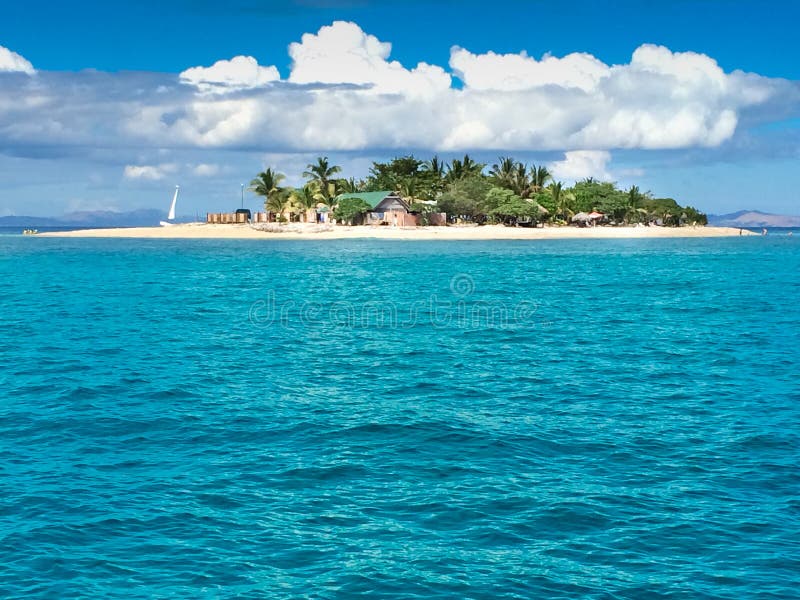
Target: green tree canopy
[[547, 201], [349, 208], [465, 197], [496, 197], [410, 176], [591, 194], [516, 207]]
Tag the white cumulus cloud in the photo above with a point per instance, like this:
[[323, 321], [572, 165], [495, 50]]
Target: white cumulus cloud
[[349, 95], [579, 164], [342, 53], [508, 72], [148, 172], [13, 62], [205, 170], [345, 93], [661, 99], [240, 72]]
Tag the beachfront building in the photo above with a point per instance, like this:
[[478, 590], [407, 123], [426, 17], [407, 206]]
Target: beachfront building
[[387, 208], [294, 214], [320, 214], [240, 216]]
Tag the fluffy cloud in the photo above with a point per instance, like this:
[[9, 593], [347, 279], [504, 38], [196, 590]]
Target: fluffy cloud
[[660, 99], [344, 93], [13, 62], [342, 53], [510, 72], [148, 172], [579, 164], [240, 72], [205, 170]]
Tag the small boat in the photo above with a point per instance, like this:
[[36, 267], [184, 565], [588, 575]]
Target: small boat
[[30, 231], [171, 215]]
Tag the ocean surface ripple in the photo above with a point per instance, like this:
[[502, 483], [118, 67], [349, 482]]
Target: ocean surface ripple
[[566, 419]]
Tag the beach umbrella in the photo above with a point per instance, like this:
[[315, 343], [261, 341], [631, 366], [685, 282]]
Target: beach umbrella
[[580, 217]]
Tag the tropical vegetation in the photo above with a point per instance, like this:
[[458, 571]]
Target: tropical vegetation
[[508, 191]]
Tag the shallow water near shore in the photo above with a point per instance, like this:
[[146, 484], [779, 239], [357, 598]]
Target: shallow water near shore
[[365, 418]]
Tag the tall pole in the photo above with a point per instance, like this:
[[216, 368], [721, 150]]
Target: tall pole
[[242, 195]]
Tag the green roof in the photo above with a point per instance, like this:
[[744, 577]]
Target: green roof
[[371, 198]]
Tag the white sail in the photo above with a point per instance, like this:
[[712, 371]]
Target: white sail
[[171, 216]]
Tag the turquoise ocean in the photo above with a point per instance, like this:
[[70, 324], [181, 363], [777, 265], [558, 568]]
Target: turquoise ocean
[[374, 419]]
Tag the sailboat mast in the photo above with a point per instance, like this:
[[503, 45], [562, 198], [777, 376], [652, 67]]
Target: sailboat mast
[[171, 215]]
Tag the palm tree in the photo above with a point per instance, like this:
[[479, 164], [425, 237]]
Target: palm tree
[[455, 171], [503, 172], [459, 169], [520, 182], [434, 166], [561, 199], [512, 175], [634, 196], [539, 177], [555, 192], [307, 197], [434, 182], [471, 167], [268, 185], [407, 188], [279, 202], [322, 172], [349, 186]]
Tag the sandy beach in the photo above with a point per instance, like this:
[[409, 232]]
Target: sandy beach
[[311, 232]]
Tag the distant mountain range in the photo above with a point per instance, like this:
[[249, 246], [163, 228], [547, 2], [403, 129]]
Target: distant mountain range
[[753, 218], [146, 217]]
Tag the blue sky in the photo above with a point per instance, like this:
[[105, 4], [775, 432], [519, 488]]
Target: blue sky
[[106, 121]]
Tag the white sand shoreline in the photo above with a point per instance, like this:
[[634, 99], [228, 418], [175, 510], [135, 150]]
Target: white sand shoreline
[[462, 233]]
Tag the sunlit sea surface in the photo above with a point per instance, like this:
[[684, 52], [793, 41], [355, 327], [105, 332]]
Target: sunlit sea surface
[[345, 419]]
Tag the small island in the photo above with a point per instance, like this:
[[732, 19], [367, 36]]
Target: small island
[[408, 198]]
